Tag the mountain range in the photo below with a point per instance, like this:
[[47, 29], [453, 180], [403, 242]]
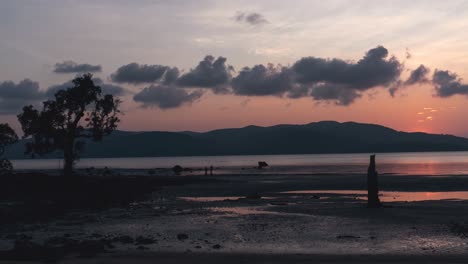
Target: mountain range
[[318, 137]]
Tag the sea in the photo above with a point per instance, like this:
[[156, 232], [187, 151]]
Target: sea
[[408, 163]]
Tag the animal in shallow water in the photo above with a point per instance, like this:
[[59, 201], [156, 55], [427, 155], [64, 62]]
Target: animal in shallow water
[[262, 164]]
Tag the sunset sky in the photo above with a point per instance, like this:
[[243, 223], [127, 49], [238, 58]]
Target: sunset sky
[[179, 65]]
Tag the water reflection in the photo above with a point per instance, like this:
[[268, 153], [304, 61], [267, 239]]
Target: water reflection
[[210, 199], [387, 196], [218, 198]]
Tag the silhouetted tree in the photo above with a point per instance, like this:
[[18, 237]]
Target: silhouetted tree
[[7, 137], [80, 111]]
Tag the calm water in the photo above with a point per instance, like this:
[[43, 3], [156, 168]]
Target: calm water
[[427, 163]]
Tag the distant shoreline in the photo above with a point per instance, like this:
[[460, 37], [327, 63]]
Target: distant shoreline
[[441, 163], [47, 157]]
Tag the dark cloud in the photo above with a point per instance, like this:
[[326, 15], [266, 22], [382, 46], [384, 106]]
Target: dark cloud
[[250, 18], [26, 89], [322, 79], [408, 54], [106, 88], [171, 75], [298, 91], [262, 80], [209, 73], [166, 96], [73, 67], [395, 87], [418, 76], [448, 84], [14, 96], [135, 73], [340, 94], [371, 71]]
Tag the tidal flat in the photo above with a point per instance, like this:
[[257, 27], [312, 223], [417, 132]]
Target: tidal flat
[[256, 217]]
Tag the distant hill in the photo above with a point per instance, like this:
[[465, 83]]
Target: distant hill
[[319, 137]]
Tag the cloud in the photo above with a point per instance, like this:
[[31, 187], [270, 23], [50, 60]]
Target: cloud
[[371, 71], [106, 88], [418, 76], [337, 93], [262, 80], [135, 73], [448, 84], [298, 91], [408, 54], [73, 67], [13, 96], [171, 75], [209, 73], [166, 96], [397, 85], [250, 18], [322, 79], [375, 69]]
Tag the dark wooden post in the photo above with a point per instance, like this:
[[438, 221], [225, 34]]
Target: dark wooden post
[[372, 185]]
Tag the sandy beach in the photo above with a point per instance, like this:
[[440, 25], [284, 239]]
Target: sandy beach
[[268, 219]]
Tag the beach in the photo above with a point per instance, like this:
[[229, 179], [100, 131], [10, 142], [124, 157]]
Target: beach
[[261, 216]]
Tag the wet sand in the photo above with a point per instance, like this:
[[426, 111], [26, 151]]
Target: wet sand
[[275, 219]]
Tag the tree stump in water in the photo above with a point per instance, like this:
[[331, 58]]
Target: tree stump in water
[[372, 185]]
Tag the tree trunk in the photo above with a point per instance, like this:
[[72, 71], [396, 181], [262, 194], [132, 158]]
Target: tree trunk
[[372, 185], [68, 156]]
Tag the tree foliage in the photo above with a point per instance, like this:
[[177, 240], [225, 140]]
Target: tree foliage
[[7, 137], [80, 111]]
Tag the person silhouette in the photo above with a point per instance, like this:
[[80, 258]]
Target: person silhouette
[[206, 170], [211, 170]]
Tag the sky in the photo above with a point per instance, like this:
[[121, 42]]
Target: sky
[[201, 65]]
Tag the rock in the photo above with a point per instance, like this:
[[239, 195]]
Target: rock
[[107, 242], [28, 248], [19, 237], [347, 237], [141, 240], [177, 169], [182, 236], [61, 241], [95, 235], [254, 196], [90, 248], [279, 203], [11, 236], [262, 164], [217, 246], [123, 239], [30, 251]]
